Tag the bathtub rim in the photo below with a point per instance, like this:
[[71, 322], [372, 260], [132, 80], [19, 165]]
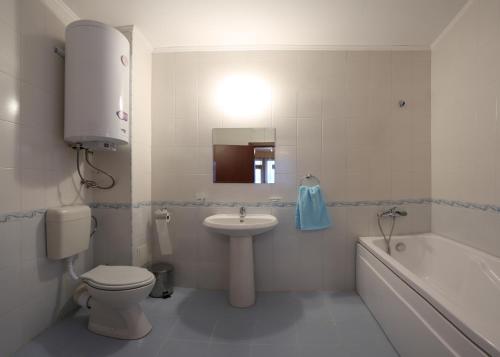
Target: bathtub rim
[[439, 302]]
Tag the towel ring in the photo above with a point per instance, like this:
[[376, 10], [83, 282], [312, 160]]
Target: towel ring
[[309, 180]]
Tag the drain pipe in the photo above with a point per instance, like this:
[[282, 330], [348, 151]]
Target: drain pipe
[[81, 296]]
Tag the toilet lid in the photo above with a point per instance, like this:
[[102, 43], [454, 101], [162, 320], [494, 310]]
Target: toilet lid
[[109, 277]]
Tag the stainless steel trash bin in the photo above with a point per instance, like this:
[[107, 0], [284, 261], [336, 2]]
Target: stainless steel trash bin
[[164, 286]]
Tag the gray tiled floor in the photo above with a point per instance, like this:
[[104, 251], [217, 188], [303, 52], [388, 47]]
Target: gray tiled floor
[[201, 323]]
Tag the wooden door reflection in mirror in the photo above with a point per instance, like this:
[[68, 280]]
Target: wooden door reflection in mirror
[[244, 155]]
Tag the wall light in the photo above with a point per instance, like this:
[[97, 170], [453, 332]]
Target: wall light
[[243, 95], [13, 107]]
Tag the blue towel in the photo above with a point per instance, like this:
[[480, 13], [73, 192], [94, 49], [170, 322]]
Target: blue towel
[[311, 213]]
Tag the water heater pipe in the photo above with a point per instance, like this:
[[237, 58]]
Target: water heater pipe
[[83, 180]]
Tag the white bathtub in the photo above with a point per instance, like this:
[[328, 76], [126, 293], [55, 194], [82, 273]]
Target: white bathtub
[[435, 298]]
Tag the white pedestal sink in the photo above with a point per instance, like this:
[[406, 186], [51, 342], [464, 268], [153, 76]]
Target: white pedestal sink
[[241, 270]]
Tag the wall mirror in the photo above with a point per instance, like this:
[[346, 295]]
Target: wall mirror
[[243, 155]]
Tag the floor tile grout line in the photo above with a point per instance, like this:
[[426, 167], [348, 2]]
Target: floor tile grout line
[[330, 312], [314, 306], [168, 336], [211, 338]]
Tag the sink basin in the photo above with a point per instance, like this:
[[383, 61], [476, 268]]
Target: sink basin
[[240, 233], [231, 224]]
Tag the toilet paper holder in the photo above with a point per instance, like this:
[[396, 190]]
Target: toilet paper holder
[[162, 213]]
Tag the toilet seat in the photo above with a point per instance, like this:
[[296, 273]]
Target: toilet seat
[[109, 277]]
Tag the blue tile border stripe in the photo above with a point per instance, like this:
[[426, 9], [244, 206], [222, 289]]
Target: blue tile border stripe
[[468, 205], [16, 216], [287, 204]]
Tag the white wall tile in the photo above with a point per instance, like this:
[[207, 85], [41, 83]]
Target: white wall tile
[[10, 41], [36, 168], [336, 117], [465, 97], [205, 126], [284, 101], [34, 149], [10, 190], [204, 160], [9, 10], [12, 284], [310, 273], [213, 276], [309, 103], [286, 250], [186, 104], [34, 43], [286, 159], [309, 160], [32, 237], [36, 317], [334, 145], [185, 130], [9, 144], [286, 131], [334, 259], [308, 132], [33, 193], [9, 98], [186, 274], [335, 186], [10, 252], [11, 338], [309, 147], [285, 187]]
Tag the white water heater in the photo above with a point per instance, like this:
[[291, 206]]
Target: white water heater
[[96, 114]]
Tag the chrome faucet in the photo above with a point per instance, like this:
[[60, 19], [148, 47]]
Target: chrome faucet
[[393, 212], [243, 213]]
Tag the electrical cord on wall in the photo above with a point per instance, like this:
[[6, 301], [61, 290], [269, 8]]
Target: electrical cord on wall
[[91, 183]]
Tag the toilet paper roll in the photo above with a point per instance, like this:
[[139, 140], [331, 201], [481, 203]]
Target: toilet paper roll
[[162, 233]]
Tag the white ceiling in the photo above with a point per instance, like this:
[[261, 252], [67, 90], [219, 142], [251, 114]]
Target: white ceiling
[[212, 24]]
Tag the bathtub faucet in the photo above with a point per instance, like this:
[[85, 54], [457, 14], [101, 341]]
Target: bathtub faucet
[[393, 212]]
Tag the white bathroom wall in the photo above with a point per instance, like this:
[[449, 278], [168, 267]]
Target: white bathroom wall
[[141, 148], [336, 116], [113, 207], [466, 128], [37, 170], [124, 212]]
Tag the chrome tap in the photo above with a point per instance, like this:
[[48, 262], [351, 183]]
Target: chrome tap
[[393, 212], [243, 213]]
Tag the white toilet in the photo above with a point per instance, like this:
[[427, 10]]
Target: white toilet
[[112, 293]]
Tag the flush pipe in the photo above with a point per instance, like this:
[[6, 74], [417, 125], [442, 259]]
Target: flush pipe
[[71, 268], [81, 295]]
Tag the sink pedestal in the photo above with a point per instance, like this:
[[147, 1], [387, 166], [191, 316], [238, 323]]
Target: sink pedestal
[[241, 231], [241, 272]]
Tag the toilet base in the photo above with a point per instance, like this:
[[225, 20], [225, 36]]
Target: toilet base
[[126, 324]]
